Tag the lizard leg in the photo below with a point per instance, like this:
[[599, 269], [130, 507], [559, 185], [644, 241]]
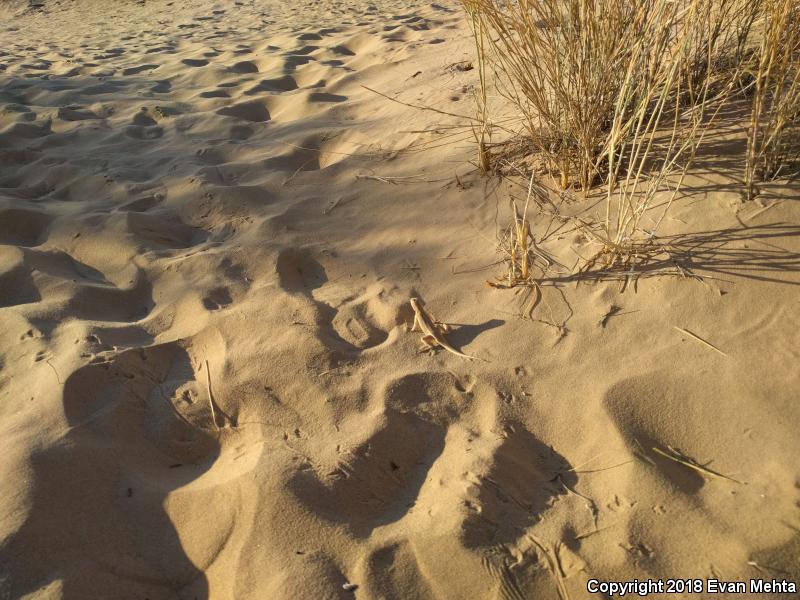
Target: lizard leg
[[415, 326], [429, 343], [444, 327]]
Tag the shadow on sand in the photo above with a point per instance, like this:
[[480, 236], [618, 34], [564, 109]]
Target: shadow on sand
[[753, 253], [96, 524]]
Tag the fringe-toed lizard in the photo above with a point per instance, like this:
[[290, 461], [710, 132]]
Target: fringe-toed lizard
[[433, 331]]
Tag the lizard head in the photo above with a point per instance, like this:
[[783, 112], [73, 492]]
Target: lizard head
[[415, 303]]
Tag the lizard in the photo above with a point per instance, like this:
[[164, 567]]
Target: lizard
[[433, 331]]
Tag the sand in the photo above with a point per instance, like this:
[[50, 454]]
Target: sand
[[209, 234]]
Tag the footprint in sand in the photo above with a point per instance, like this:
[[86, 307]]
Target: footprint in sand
[[160, 231], [523, 478], [141, 204], [142, 119], [240, 132], [376, 482], [23, 227], [17, 286], [195, 62], [215, 94], [144, 133], [154, 445], [245, 66], [139, 69], [66, 113], [161, 87], [217, 298], [254, 111], [298, 271], [326, 97], [286, 83]]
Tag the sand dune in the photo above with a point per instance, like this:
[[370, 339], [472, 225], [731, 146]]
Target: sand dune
[[209, 234]]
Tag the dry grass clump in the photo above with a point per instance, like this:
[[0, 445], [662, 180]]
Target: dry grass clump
[[560, 63], [571, 67], [581, 72], [597, 81], [618, 94], [720, 42], [521, 255], [773, 143]]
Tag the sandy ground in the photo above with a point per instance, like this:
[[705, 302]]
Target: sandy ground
[[209, 235]]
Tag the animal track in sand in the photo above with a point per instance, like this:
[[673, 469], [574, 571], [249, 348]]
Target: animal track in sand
[[348, 323], [149, 401], [357, 329]]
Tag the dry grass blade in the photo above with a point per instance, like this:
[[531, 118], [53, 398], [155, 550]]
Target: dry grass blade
[[699, 339], [583, 536], [553, 564], [522, 256], [418, 106], [679, 457], [211, 397]]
